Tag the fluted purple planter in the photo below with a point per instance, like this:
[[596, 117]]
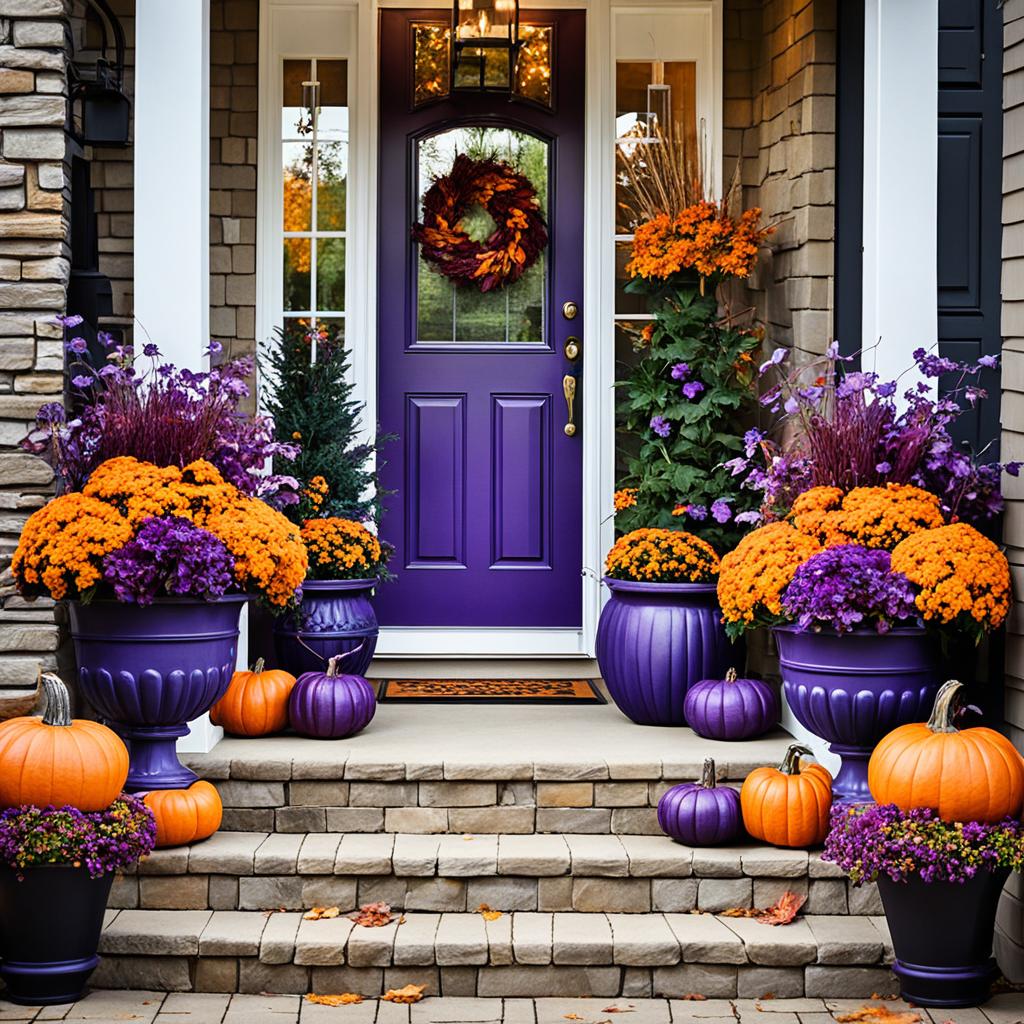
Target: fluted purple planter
[[654, 641], [149, 670], [942, 937], [334, 617], [853, 689]]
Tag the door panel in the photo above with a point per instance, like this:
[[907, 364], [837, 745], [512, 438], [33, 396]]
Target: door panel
[[487, 506]]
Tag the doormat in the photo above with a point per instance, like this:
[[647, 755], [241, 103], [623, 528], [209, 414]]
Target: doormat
[[490, 691]]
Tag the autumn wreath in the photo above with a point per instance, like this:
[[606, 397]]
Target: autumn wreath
[[519, 234]]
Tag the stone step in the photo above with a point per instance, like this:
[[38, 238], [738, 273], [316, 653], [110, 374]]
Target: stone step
[[622, 874], [519, 954]]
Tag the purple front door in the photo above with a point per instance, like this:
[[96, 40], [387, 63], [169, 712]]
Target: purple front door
[[486, 513]]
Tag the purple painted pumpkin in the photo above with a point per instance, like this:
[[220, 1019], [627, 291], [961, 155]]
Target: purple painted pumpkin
[[701, 813], [330, 705], [731, 708]]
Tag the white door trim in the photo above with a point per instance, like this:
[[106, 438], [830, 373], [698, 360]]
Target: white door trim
[[359, 47]]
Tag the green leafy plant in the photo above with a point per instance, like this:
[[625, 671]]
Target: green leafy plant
[[311, 403]]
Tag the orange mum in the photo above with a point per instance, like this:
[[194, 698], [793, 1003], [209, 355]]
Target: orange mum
[[62, 545], [626, 498], [754, 574], [341, 549], [875, 517], [963, 577], [662, 556]]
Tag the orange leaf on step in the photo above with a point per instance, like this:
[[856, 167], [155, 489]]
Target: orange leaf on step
[[321, 913], [879, 1015], [341, 999], [372, 915], [487, 913], [783, 910], [572, 1016], [619, 1009], [694, 997], [408, 994]]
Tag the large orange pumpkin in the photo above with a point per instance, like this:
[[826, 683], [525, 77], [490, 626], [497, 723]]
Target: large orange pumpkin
[[788, 805], [185, 815], [256, 702], [60, 760], [963, 775]]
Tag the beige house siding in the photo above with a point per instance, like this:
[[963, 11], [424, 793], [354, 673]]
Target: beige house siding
[[779, 116], [1010, 923], [34, 267]]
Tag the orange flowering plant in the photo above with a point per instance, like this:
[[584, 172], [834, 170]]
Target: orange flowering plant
[[340, 549], [662, 556], [137, 531]]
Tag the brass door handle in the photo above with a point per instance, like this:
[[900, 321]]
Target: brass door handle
[[569, 390]]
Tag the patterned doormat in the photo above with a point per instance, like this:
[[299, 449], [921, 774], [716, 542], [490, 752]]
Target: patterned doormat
[[490, 691]]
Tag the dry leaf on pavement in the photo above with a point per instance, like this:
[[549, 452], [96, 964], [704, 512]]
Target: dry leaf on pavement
[[879, 1015], [619, 1009], [341, 999], [782, 911], [572, 1016], [487, 913], [408, 994], [372, 915], [694, 997], [321, 913]]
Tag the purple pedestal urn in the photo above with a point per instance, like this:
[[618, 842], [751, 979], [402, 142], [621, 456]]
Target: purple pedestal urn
[[150, 669], [852, 689], [335, 617], [654, 641], [942, 937]]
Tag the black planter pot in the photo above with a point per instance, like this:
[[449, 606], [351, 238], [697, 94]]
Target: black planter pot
[[942, 937], [50, 927]]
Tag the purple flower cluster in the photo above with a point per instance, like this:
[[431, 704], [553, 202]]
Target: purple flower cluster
[[101, 841], [871, 840], [165, 415], [849, 587], [853, 432], [169, 555]]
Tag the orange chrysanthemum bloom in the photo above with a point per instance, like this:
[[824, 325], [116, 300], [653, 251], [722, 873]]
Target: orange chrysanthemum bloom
[[756, 572], [703, 238], [662, 556], [874, 517], [316, 491], [342, 549], [63, 544], [963, 576], [626, 498]]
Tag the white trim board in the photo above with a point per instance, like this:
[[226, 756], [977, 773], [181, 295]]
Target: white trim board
[[302, 28]]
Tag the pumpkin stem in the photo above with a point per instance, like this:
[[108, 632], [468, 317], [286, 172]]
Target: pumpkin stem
[[258, 667], [730, 676], [57, 702], [332, 666], [946, 700], [707, 778], [791, 762]]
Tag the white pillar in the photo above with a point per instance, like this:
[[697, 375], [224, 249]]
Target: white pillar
[[172, 201], [901, 92]]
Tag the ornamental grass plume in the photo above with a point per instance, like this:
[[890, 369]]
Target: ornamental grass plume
[[662, 556], [868, 841]]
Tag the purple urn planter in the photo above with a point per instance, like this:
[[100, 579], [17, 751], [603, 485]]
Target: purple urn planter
[[50, 924], [942, 937], [853, 689], [149, 670], [654, 641], [335, 617]]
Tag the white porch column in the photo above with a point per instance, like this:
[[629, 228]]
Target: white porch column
[[172, 201], [900, 182]]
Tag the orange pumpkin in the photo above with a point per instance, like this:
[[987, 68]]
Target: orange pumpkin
[[256, 702], [964, 775], [788, 805], [185, 815], [59, 760]]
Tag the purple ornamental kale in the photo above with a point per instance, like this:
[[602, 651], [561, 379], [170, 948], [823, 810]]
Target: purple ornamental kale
[[169, 556], [849, 587]]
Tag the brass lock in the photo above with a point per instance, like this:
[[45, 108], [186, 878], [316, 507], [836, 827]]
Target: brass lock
[[569, 390], [572, 348], [569, 310]]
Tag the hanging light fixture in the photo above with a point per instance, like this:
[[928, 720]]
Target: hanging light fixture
[[485, 40]]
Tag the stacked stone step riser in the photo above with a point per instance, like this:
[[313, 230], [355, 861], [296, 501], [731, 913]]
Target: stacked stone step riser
[[515, 955], [582, 873]]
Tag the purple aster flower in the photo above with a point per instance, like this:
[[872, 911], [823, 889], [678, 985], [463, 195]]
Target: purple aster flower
[[661, 426], [884, 468], [215, 348], [988, 362], [776, 357], [720, 511], [698, 512], [77, 346], [680, 371], [692, 388], [150, 350], [751, 439], [753, 516], [736, 466], [83, 381], [886, 390]]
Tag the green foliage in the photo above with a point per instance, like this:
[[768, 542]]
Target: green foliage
[[312, 405], [686, 467]]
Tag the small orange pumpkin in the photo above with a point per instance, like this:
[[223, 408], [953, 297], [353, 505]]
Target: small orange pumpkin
[[788, 805], [256, 702], [962, 774], [185, 815], [59, 760]]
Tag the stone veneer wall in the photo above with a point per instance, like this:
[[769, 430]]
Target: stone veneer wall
[[779, 117], [234, 54], [1010, 924], [34, 268]]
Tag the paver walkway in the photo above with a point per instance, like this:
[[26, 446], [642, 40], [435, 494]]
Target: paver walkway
[[110, 1007]]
